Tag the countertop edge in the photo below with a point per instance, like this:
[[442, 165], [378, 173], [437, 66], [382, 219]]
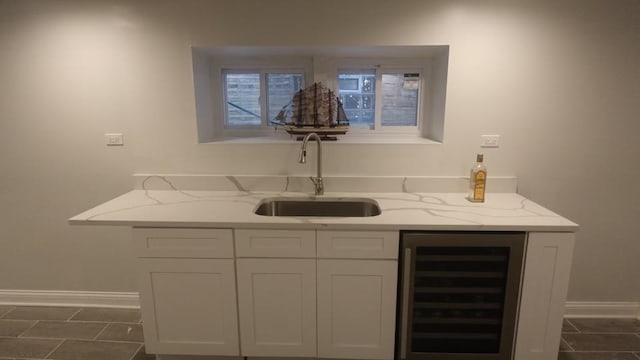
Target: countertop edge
[[320, 226]]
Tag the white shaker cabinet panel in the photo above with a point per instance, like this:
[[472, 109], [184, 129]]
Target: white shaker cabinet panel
[[187, 243], [358, 244], [189, 306], [277, 307], [356, 308], [544, 291], [275, 243]]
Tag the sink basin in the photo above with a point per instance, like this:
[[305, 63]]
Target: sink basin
[[331, 207]]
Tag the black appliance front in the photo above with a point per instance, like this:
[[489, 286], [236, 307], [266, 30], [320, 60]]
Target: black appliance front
[[458, 295]]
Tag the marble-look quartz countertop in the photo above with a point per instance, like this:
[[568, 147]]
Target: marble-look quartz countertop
[[400, 211]]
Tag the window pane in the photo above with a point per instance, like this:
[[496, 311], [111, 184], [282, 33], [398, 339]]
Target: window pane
[[399, 100], [357, 94], [280, 91], [243, 100]]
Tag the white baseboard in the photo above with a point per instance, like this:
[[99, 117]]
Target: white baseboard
[[70, 298], [131, 300], [602, 309]]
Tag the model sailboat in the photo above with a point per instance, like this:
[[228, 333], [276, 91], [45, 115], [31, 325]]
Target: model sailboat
[[314, 109]]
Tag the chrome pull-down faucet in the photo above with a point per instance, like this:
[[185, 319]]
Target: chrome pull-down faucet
[[302, 158]]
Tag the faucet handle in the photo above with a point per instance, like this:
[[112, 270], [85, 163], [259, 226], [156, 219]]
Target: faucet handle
[[319, 185]]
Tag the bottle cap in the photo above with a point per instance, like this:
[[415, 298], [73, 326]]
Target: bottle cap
[[479, 158]]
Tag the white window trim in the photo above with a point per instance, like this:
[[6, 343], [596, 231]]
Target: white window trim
[[384, 65], [261, 65]]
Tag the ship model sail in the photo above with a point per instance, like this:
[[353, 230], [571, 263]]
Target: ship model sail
[[314, 109]]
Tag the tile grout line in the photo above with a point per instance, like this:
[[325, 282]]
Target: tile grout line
[[106, 325], [117, 341], [30, 327], [74, 314], [54, 349], [567, 343], [11, 308], [71, 339], [98, 321], [136, 352], [573, 325], [106, 320]]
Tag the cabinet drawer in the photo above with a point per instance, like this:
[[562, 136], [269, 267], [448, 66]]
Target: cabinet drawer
[[275, 243], [358, 244], [187, 243]]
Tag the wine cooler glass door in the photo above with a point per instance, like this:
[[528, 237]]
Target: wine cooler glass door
[[459, 294]]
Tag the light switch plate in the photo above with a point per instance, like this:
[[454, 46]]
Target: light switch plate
[[490, 141], [114, 139]]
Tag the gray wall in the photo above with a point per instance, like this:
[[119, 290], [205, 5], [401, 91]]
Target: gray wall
[[558, 79]]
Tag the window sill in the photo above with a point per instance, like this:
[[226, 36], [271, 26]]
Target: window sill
[[344, 139]]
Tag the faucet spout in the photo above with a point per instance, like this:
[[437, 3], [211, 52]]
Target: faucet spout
[[302, 158]]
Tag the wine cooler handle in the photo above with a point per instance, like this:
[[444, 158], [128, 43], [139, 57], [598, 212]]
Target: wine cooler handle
[[406, 278]]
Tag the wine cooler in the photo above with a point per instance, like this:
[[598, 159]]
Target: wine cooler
[[458, 295]]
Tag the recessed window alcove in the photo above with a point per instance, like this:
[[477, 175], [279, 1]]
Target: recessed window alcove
[[389, 93]]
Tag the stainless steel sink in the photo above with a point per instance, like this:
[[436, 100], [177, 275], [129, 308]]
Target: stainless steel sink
[[330, 207]]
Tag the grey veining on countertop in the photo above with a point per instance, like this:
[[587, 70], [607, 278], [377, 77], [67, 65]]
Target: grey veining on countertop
[[160, 202], [279, 183]]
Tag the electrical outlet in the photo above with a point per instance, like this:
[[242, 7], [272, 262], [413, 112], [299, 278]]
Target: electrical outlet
[[113, 139], [490, 141]]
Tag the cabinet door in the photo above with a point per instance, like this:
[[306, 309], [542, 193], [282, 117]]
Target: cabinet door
[[277, 305], [189, 306], [356, 308], [544, 291]]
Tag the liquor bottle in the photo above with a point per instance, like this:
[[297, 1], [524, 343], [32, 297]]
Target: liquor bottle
[[477, 180]]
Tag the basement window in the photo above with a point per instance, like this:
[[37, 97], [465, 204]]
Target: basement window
[[250, 94], [387, 93], [383, 100]]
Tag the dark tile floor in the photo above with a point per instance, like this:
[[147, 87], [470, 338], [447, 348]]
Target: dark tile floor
[[68, 333], [600, 339]]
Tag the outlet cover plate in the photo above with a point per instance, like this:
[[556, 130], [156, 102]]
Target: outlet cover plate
[[113, 139], [490, 141]]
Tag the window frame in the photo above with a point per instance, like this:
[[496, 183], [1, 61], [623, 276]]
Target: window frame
[[225, 100], [390, 66], [262, 66]]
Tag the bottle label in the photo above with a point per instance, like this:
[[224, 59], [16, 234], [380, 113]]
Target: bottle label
[[479, 186]]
